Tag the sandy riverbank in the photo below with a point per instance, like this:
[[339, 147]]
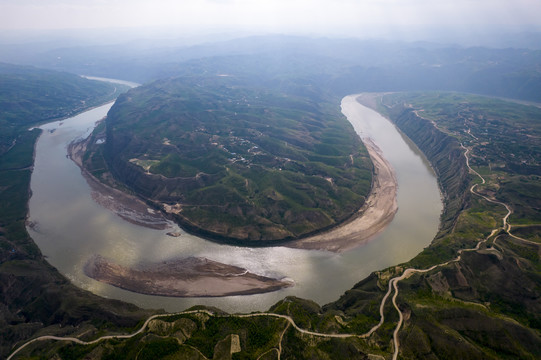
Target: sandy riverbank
[[127, 206], [189, 277], [377, 212]]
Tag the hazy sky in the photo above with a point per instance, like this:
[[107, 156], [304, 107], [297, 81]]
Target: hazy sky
[[307, 15]]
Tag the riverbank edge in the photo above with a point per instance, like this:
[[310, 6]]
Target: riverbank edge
[[450, 170], [29, 279], [378, 211], [135, 211]]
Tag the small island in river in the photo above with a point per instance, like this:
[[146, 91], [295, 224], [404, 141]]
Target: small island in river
[[189, 277]]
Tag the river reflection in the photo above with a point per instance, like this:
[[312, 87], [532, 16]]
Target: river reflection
[[71, 227]]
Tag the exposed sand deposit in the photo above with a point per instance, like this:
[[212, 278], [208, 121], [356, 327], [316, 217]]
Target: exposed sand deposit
[[189, 277], [127, 206], [371, 219]]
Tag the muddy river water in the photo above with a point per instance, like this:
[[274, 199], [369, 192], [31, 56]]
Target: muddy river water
[[69, 227]]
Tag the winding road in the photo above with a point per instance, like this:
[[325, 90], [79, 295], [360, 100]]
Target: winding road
[[209, 313], [393, 283]]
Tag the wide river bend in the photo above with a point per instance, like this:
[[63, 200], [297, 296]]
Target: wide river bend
[[69, 227]]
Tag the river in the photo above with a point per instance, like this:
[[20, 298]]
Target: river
[[69, 227]]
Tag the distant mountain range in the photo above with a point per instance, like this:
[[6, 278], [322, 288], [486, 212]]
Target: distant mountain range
[[342, 65]]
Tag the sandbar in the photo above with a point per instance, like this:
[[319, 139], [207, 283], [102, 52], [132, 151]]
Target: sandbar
[[377, 212], [188, 277]]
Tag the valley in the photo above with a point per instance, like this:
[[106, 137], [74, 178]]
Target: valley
[[387, 313], [245, 147]]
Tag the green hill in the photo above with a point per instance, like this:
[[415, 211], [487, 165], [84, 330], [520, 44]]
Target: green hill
[[236, 162], [29, 96]]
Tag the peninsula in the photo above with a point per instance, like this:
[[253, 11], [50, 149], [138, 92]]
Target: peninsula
[[232, 162]]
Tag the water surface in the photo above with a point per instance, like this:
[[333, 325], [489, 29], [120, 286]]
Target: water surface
[[71, 227]]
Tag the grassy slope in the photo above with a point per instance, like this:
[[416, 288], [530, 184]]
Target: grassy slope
[[33, 295], [29, 96], [246, 163], [484, 306]]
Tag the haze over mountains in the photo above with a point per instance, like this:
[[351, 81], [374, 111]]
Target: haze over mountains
[[340, 65]]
